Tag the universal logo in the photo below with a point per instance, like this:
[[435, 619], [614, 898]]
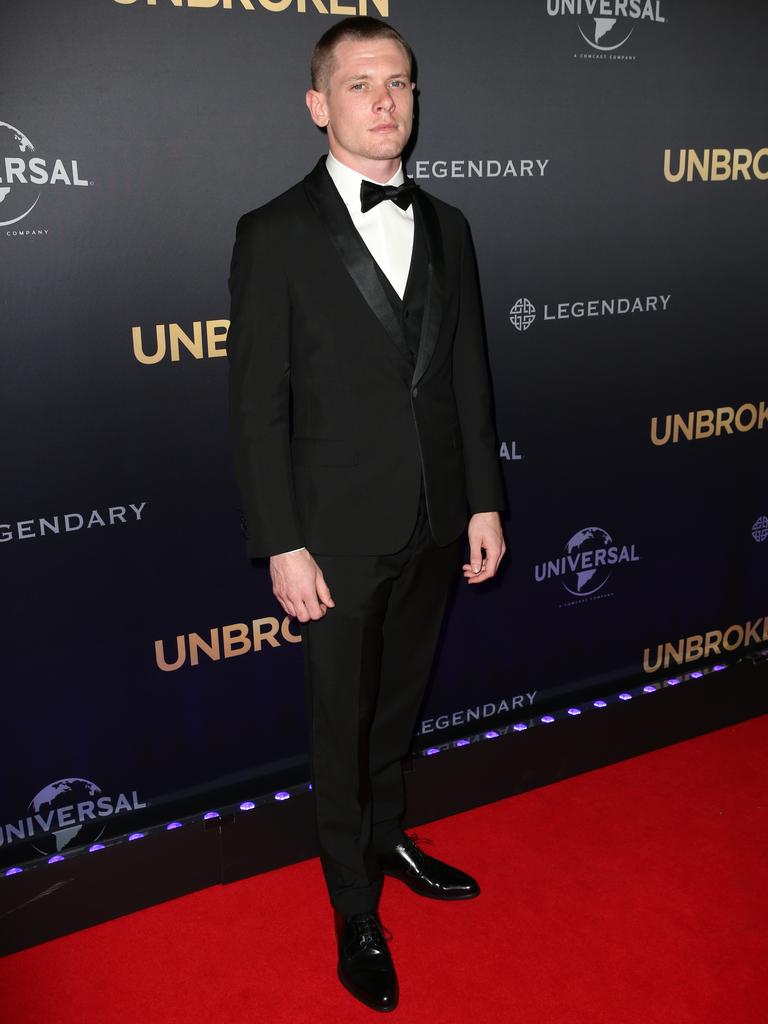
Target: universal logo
[[380, 7], [67, 810], [523, 312], [606, 25], [586, 566], [24, 177]]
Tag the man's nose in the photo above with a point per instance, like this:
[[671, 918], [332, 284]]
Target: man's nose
[[384, 99]]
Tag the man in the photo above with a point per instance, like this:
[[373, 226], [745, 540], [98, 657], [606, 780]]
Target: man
[[364, 446]]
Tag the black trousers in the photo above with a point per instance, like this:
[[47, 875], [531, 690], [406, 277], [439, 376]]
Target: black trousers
[[366, 664]]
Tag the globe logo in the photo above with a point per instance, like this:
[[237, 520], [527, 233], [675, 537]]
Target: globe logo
[[66, 795], [15, 196], [589, 577], [522, 314], [760, 529], [604, 33]]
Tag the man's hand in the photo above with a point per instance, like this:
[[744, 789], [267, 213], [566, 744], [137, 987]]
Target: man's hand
[[484, 532], [299, 585]]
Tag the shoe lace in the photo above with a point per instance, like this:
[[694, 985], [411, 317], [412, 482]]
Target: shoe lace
[[370, 929], [411, 839]]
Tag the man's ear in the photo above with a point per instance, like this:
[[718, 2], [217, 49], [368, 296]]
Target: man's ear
[[318, 108]]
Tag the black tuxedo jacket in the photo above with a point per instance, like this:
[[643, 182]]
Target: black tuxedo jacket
[[332, 425]]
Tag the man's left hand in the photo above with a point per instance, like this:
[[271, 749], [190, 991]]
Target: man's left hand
[[486, 547]]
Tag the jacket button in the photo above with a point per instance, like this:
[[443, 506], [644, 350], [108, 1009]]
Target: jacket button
[[415, 392]]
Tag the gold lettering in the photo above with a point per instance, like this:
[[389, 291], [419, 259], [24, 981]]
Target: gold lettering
[[712, 642], [760, 174], [138, 348], [236, 640], [721, 165], [216, 337], [702, 166], [681, 426], [181, 655], [270, 626], [742, 158], [752, 412], [647, 667], [339, 8], [669, 174], [705, 423], [285, 629], [655, 439], [674, 653], [693, 648], [724, 420], [178, 336], [739, 632], [211, 649], [275, 5]]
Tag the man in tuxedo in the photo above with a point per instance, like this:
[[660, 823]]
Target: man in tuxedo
[[364, 446]]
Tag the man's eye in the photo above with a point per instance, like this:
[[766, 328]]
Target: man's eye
[[358, 87], [398, 83]]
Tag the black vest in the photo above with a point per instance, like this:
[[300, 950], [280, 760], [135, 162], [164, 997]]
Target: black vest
[[410, 309]]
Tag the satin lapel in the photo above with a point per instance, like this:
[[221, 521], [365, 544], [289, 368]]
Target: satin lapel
[[330, 207], [433, 305]]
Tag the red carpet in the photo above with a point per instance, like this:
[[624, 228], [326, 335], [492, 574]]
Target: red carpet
[[635, 894]]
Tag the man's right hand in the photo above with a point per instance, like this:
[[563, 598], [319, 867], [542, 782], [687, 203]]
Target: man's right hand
[[299, 585]]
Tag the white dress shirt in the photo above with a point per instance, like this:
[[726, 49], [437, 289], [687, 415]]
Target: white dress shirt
[[386, 229]]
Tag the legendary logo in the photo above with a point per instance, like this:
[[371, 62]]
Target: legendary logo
[[716, 165], [760, 529], [702, 423], [606, 25], [523, 312], [506, 168], [706, 645], [67, 810], [587, 562], [24, 176], [468, 715], [70, 522]]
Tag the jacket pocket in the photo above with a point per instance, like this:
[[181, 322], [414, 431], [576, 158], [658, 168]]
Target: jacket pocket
[[322, 451]]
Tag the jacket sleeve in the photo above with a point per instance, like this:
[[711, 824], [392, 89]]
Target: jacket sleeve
[[472, 390], [258, 350]]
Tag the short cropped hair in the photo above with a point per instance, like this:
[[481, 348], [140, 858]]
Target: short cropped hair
[[357, 28]]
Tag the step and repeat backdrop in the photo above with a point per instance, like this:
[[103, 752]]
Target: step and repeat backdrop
[[612, 159]]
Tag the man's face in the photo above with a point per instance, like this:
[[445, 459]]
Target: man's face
[[367, 105]]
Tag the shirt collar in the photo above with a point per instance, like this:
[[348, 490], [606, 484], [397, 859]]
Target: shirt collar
[[347, 181]]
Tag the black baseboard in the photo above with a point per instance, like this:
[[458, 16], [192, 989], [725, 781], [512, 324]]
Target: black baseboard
[[45, 901]]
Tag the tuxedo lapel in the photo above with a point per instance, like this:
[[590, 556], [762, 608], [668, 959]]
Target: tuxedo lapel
[[426, 221], [328, 204]]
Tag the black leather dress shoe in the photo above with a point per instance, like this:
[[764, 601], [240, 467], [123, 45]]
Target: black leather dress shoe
[[427, 875], [365, 965]]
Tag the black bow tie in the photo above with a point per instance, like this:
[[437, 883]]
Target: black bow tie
[[372, 194]]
